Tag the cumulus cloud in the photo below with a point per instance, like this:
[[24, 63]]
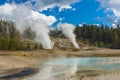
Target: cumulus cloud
[[24, 17], [46, 4], [61, 18], [112, 6], [114, 26], [111, 18], [6, 9], [98, 18]]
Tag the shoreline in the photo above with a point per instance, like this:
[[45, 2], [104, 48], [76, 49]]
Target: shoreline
[[11, 60]]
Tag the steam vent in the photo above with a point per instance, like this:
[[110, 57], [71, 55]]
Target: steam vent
[[62, 43]]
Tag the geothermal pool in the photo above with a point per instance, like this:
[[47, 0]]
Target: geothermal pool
[[59, 68]]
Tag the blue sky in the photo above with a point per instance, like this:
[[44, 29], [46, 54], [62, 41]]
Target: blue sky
[[87, 11], [84, 11]]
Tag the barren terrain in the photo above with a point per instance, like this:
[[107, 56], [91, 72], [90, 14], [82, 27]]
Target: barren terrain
[[12, 62]]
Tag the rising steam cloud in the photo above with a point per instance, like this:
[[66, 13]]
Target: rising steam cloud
[[68, 31], [24, 17]]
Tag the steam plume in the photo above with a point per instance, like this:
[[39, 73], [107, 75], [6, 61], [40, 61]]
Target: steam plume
[[24, 17], [68, 31]]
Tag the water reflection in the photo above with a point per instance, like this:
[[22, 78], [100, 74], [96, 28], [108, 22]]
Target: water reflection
[[62, 66]]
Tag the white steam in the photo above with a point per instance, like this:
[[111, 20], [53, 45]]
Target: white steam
[[68, 31], [24, 17]]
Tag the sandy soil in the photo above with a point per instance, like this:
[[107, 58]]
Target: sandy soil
[[88, 52], [12, 62], [17, 60], [98, 75]]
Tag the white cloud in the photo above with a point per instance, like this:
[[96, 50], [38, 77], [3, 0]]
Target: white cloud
[[6, 9], [112, 5], [98, 18], [25, 17], [114, 26], [46, 4], [80, 25], [73, 9], [61, 18]]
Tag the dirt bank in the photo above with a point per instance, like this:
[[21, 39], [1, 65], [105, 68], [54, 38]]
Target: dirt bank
[[23, 59], [14, 60]]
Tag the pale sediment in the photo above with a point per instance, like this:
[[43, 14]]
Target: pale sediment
[[12, 60]]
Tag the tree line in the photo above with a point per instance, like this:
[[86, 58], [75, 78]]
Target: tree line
[[96, 35], [99, 35], [11, 39]]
